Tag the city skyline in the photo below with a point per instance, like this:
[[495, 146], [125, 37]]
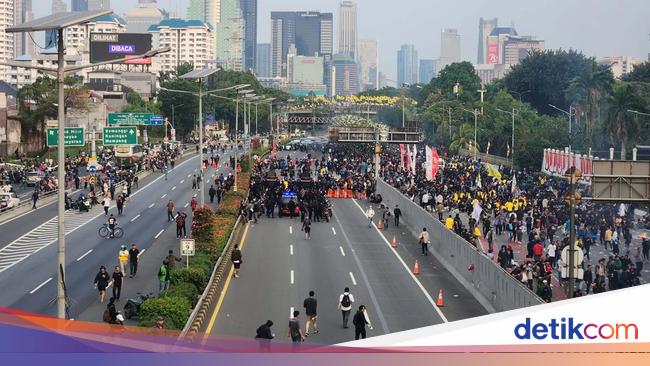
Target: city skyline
[[421, 22]]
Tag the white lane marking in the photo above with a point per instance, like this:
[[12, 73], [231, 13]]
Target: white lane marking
[[187, 204], [342, 251], [84, 256], [151, 205], [182, 181], [290, 229], [189, 175], [291, 249], [164, 195], [292, 277], [354, 281], [291, 312], [334, 231], [173, 188], [41, 285], [141, 253], [408, 270], [159, 233], [135, 218]]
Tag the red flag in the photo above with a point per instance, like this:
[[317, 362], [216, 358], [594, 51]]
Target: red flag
[[435, 160], [401, 154]]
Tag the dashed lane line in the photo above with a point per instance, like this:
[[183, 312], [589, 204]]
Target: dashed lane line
[[41, 285], [84, 255]]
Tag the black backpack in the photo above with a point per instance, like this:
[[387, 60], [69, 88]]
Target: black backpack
[[345, 301], [107, 316]]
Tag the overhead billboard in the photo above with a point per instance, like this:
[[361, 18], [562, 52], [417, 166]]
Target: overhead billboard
[[493, 53], [113, 46]]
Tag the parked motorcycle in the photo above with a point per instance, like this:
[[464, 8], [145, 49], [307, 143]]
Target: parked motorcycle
[[132, 306]]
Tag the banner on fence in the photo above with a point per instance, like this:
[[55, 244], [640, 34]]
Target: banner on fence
[[557, 162]]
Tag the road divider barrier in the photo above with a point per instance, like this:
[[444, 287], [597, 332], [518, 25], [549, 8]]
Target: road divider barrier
[[492, 286]]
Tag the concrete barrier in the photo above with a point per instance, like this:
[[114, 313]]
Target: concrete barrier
[[493, 287]]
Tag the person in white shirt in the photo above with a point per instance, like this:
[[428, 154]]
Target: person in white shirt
[[424, 241], [425, 201], [345, 305], [370, 213], [107, 205], [550, 253]]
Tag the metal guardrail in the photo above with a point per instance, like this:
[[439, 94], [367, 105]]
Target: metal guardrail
[[487, 158]]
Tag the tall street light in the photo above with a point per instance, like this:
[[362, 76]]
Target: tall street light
[[520, 94], [239, 93], [512, 144], [173, 124], [638, 113], [475, 112], [569, 113], [200, 75], [59, 22]]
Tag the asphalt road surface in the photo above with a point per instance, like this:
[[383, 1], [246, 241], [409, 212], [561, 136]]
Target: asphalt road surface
[[30, 283], [280, 267]]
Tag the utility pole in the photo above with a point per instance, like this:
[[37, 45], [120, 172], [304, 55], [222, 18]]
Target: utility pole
[[236, 140], [60, 288], [573, 175], [202, 185]]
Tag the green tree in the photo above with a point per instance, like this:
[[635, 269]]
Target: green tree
[[463, 139], [462, 73], [620, 126], [640, 73]]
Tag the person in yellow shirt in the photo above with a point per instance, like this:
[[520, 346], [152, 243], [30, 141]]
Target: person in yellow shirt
[[509, 206], [477, 232], [449, 223], [123, 257]]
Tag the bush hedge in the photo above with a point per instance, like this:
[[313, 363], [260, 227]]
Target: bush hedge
[[211, 231]]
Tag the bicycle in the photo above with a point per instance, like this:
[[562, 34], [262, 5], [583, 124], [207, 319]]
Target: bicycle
[[104, 232]]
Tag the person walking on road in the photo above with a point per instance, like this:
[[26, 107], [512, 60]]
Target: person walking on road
[[194, 181], [424, 241], [101, 282], [397, 213], [163, 277], [236, 259], [123, 258], [117, 277], [360, 321], [181, 232], [306, 227], [370, 213], [120, 204], [107, 204], [345, 305], [212, 192], [134, 258], [34, 198], [295, 332], [170, 211], [310, 304], [165, 171]]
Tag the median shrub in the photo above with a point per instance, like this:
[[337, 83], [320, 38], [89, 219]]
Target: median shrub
[[185, 290], [174, 309], [192, 275]]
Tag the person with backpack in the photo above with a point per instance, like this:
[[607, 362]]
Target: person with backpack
[[180, 224], [345, 305], [163, 277]]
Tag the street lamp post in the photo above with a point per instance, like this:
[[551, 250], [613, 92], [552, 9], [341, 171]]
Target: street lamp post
[[569, 113], [520, 94], [512, 144], [173, 117], [48, 23]]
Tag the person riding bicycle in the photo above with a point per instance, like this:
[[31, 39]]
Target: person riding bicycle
[[112, 223]]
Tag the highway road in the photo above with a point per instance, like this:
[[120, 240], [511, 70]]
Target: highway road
[[280, 267], [28, 245]]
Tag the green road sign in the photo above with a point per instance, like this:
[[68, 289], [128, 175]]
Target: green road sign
[[120, 135], [134, 119], [74, 136]]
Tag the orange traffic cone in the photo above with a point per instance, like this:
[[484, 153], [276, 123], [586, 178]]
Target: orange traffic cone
[[440, 303], [416, 269], [394, 243], [380, 226]]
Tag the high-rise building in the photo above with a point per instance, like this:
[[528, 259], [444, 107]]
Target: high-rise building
[[77, 36], [140, 18], [7, 18], [343, 76], [230, 36], [407, 65], [620, 65], [99, 4], [310, 32], [517, 48], [23, 13], [305, 74], [427, 71], [196, 10], [79, 5], [212, 13], [348, 29], [59, 6], [249, 11], [191, 41], [368, 55], [485, 27], [449, 48], [496, 44], [263, 60]]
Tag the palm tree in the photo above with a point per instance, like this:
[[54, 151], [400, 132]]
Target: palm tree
[[464, 139], [586, 91], [620, 126]]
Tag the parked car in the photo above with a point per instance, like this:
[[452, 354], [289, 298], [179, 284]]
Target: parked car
[[8, 200]]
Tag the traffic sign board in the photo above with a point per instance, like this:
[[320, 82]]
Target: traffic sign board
[[74, 136], [125, 119], [187, 247], [126, 135]]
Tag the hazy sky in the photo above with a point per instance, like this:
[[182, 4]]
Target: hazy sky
[[596, 27]]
